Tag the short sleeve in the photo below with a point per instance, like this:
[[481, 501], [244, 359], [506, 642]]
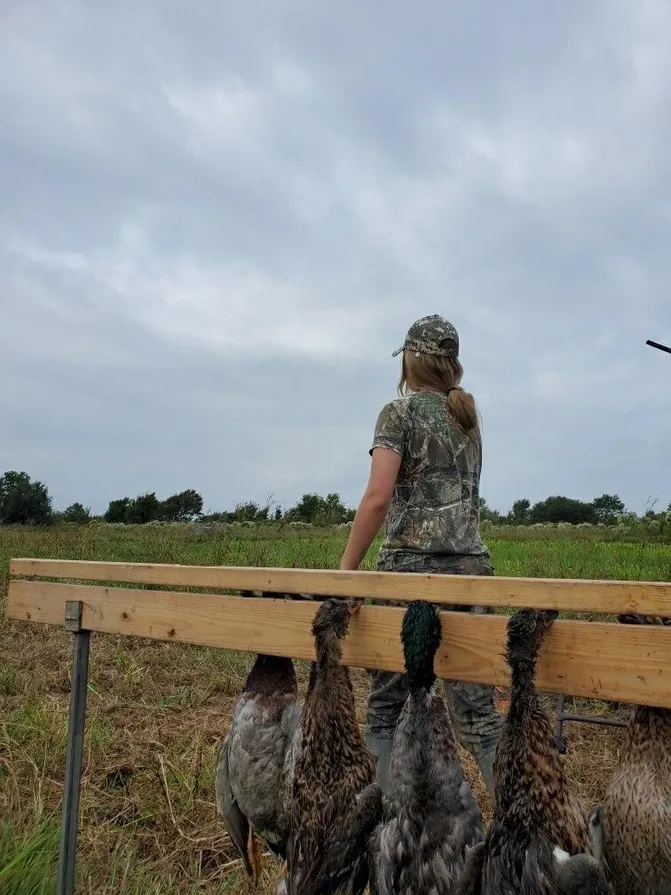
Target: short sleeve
[[390, 429]]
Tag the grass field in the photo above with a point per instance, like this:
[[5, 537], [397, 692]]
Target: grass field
[[157, 711]]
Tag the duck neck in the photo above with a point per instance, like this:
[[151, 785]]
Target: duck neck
[[420, 673], [271, 674], [523, 695]]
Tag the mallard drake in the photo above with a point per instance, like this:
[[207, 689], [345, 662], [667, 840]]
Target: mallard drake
[[535, 810], [430, 814], [634, 821], [335, 803], [256, 761]]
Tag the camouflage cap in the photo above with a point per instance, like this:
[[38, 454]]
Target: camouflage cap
[[431, 335]]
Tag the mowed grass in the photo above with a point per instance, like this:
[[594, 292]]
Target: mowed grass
[[156, 712]]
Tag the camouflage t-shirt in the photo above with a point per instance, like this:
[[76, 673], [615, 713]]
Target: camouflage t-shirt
[[435, 507]]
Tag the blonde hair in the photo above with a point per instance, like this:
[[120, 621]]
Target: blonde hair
[[443, 375]]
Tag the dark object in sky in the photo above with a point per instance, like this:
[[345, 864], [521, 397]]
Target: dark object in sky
[[657, 345]]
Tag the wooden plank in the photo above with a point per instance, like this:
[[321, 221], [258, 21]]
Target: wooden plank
[[610, 597], [625, 663]]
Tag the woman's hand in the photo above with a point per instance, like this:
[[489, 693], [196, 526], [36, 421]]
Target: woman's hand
[[373, 507]]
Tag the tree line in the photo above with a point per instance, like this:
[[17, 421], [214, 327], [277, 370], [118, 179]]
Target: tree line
[[24, 501], [27, 502], [608, 509]]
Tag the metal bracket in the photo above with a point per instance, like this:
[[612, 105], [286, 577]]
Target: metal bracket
[[73, 615]]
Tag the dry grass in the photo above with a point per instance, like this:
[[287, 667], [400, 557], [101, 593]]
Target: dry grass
[[155, 714]]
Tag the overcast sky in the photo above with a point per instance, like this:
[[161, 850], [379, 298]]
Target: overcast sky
[[218, 219]]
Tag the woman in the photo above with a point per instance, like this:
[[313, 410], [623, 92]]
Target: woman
[[425, 479]]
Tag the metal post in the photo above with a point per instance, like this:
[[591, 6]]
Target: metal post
[[75, 748], [559, 732], [591, 719], [582, 719]]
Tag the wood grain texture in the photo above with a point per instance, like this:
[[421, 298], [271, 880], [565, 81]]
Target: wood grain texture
[[608, 597], [625, 663]]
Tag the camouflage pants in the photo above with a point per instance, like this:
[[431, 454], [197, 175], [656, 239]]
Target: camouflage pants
[[476, 722]]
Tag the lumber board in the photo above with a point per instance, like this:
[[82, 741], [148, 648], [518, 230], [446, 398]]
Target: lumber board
[[608, 597], [623, 663]]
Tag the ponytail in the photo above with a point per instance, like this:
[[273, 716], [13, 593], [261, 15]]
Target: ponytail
[[461, 406]]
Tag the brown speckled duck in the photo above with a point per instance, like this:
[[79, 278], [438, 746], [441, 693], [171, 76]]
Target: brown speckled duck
[[335, 803], [634, 821], [537, 819]]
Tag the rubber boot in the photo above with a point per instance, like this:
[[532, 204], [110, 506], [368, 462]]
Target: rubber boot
[[381, 749]]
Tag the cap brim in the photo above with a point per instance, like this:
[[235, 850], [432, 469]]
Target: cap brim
[[397, 352]]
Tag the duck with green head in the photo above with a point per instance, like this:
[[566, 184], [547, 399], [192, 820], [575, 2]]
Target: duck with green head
[[431, 818]]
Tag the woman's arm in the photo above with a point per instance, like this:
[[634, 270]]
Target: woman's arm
[[373, 507]]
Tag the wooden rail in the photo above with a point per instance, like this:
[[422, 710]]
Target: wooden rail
[[580, 658], [607, 597]]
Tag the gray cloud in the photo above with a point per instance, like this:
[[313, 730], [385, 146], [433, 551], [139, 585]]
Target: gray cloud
[[218, 222]]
